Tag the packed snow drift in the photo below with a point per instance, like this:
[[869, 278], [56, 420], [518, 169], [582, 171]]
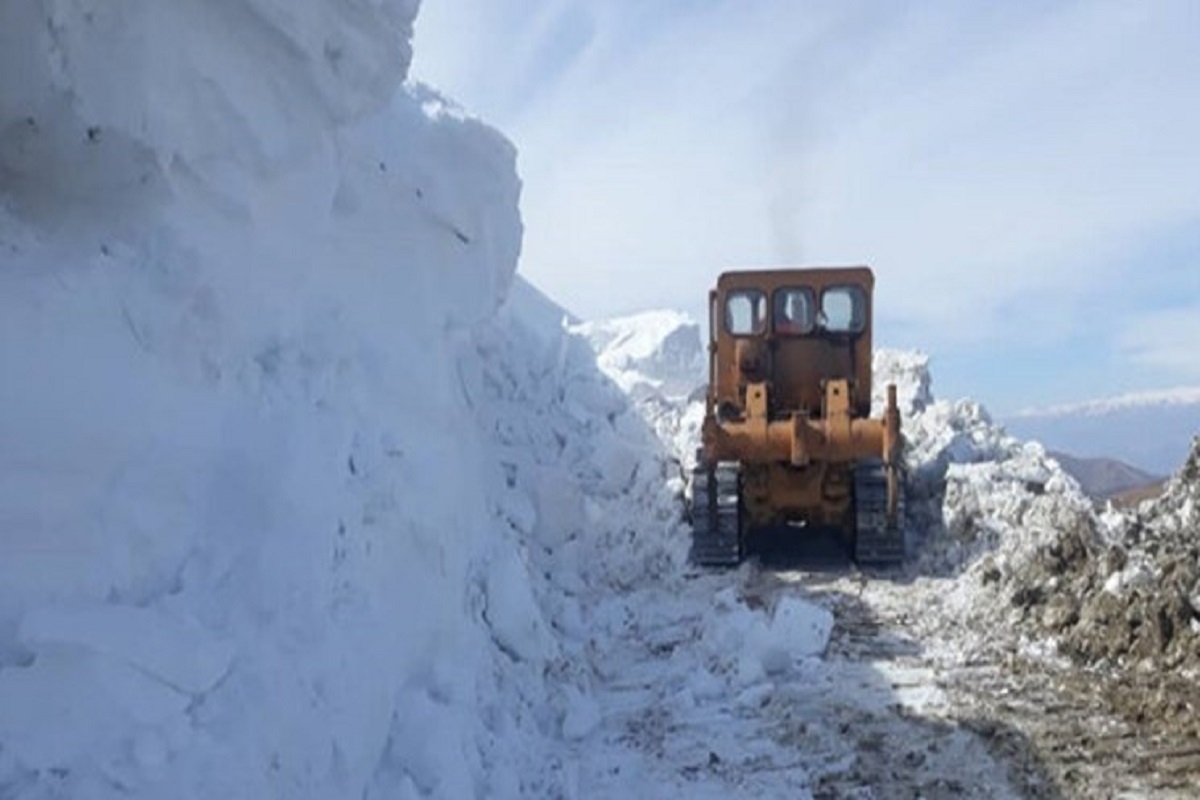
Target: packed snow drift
[[246, 550]]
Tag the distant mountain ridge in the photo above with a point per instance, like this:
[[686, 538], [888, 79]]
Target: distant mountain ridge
[[1150, 430], [1101, 478]]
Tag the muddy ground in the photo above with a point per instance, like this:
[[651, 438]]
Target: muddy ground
[[1056, 728]]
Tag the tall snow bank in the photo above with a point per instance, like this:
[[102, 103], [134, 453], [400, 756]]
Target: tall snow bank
[[171, 87], [245, 549], [973, 490], [586, 492], [603, 493], [592, 489]]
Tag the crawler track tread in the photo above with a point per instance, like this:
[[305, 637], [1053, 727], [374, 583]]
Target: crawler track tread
[[878, 541], [716, 516]]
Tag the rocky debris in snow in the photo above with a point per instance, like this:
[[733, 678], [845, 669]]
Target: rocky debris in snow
[[1035, 560], [1117, 595], [973, 491], [1135, 601], [1031, 549]]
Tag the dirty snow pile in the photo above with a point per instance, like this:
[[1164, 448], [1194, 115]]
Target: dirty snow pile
[[1136, 601], [973, 490], [1115, 588], [1126, 603], [1102, 588]]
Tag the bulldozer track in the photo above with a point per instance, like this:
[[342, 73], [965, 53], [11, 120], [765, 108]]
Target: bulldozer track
[[716, 516], [876, 542]]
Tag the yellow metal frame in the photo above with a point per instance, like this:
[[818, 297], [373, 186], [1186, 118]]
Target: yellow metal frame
[[795, 411]]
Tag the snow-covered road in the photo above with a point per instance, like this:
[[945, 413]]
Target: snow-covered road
[[902, 703], [867, 719]]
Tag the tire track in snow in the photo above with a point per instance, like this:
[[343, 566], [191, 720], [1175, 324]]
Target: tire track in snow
[[679, 718]]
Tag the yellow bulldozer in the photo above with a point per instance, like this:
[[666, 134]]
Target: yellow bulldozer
[[788, 438]]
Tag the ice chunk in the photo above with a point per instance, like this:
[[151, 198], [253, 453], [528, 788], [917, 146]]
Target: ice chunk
[[512, 612], [174, 650], [71, 702], [582, 716]]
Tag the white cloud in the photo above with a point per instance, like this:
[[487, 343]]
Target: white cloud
[[994, 165], [1168, 340]]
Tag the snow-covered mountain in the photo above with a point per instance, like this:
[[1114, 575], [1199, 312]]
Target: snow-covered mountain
[[1150, 430], [656, 351]]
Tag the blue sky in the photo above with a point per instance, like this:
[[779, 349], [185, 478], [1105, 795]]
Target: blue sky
[[1025, 180]]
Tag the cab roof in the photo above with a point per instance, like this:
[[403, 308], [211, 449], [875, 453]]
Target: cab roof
[[816, 277]]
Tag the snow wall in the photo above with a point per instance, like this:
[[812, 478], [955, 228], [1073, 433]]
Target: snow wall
[[276, 448]]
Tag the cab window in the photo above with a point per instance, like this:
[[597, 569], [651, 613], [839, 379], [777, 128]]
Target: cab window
[[795, 311], [843, 309], [745, 312]]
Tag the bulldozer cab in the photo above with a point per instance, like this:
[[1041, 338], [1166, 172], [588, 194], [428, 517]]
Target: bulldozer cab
[[794, 330]]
